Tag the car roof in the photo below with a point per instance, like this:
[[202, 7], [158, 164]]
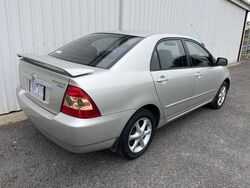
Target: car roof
[[147, 34]]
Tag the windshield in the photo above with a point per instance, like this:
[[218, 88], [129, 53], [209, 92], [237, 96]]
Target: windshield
[[97, 50]]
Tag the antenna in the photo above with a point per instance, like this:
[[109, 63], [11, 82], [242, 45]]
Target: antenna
[[197, 34]]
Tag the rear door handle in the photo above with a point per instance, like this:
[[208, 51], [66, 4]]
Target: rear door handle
[[162, 79]]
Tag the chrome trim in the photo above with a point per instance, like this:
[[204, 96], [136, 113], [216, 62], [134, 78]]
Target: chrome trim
[[178, 102]]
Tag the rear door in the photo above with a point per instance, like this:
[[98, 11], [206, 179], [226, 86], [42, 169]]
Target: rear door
[[173, 78], [207, 74]]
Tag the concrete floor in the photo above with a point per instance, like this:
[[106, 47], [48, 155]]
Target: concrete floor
[[206, 148]]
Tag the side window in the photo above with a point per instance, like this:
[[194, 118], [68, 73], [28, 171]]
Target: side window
[[198, 55], [155, 64], [171, 54]]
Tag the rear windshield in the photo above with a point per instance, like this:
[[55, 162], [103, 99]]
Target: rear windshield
[[97, 50]]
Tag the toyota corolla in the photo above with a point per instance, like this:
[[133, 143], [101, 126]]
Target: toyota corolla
[[113, 90]]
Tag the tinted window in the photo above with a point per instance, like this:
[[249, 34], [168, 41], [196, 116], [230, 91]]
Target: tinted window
[[198, 55], [97, 50], [171, 54], [155, 64]]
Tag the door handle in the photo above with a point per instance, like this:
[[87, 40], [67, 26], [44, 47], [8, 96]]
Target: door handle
[[198, 74], [162, 79]]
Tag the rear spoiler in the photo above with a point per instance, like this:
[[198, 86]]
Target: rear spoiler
[[56, 65]]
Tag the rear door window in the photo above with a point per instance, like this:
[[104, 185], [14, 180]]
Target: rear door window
[[155, 64], [97, 50]]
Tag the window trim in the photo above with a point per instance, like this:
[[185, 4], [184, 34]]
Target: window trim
[[203, 47], [167, 39]]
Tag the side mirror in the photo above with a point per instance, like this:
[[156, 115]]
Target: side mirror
[[222, 61]]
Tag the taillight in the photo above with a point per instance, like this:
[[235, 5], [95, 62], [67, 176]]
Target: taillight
[[78, 103]]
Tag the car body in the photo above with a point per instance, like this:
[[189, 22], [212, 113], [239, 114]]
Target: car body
[[135, 79]]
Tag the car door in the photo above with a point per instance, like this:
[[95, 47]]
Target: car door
[[207, 74], [173, 78]]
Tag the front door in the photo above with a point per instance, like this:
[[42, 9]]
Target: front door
[[206, 74], [173, 78]]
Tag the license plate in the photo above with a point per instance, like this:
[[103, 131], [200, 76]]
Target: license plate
[[37, 89]]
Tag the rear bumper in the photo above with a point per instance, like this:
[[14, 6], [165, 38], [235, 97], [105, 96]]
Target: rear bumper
[[74, 134]]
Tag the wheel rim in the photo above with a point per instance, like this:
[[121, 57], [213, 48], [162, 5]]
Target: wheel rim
[[222, 95], [140, 135]]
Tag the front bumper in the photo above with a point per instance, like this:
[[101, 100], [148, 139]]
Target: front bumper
[[74, 134]]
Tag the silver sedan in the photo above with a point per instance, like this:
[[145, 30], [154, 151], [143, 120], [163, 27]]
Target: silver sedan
[[113, 90]]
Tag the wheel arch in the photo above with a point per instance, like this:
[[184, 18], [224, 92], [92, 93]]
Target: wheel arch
[[154, 110]]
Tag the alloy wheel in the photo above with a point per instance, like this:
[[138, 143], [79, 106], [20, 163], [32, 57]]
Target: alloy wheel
[[222, 95], [139, 135]]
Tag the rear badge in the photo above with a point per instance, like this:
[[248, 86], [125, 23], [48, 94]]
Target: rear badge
[[33, 77], [59, 84]]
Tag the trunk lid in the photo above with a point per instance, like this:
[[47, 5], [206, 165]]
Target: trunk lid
[[45, 79]]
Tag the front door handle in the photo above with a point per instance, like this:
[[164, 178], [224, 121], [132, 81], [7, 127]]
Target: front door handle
[[162, 79], [198, 74]]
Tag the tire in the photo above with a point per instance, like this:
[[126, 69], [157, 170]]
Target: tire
[[140, 138], [220, 98]]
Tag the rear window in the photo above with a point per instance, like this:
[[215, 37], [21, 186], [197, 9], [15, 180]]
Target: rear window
[[97, 50]]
